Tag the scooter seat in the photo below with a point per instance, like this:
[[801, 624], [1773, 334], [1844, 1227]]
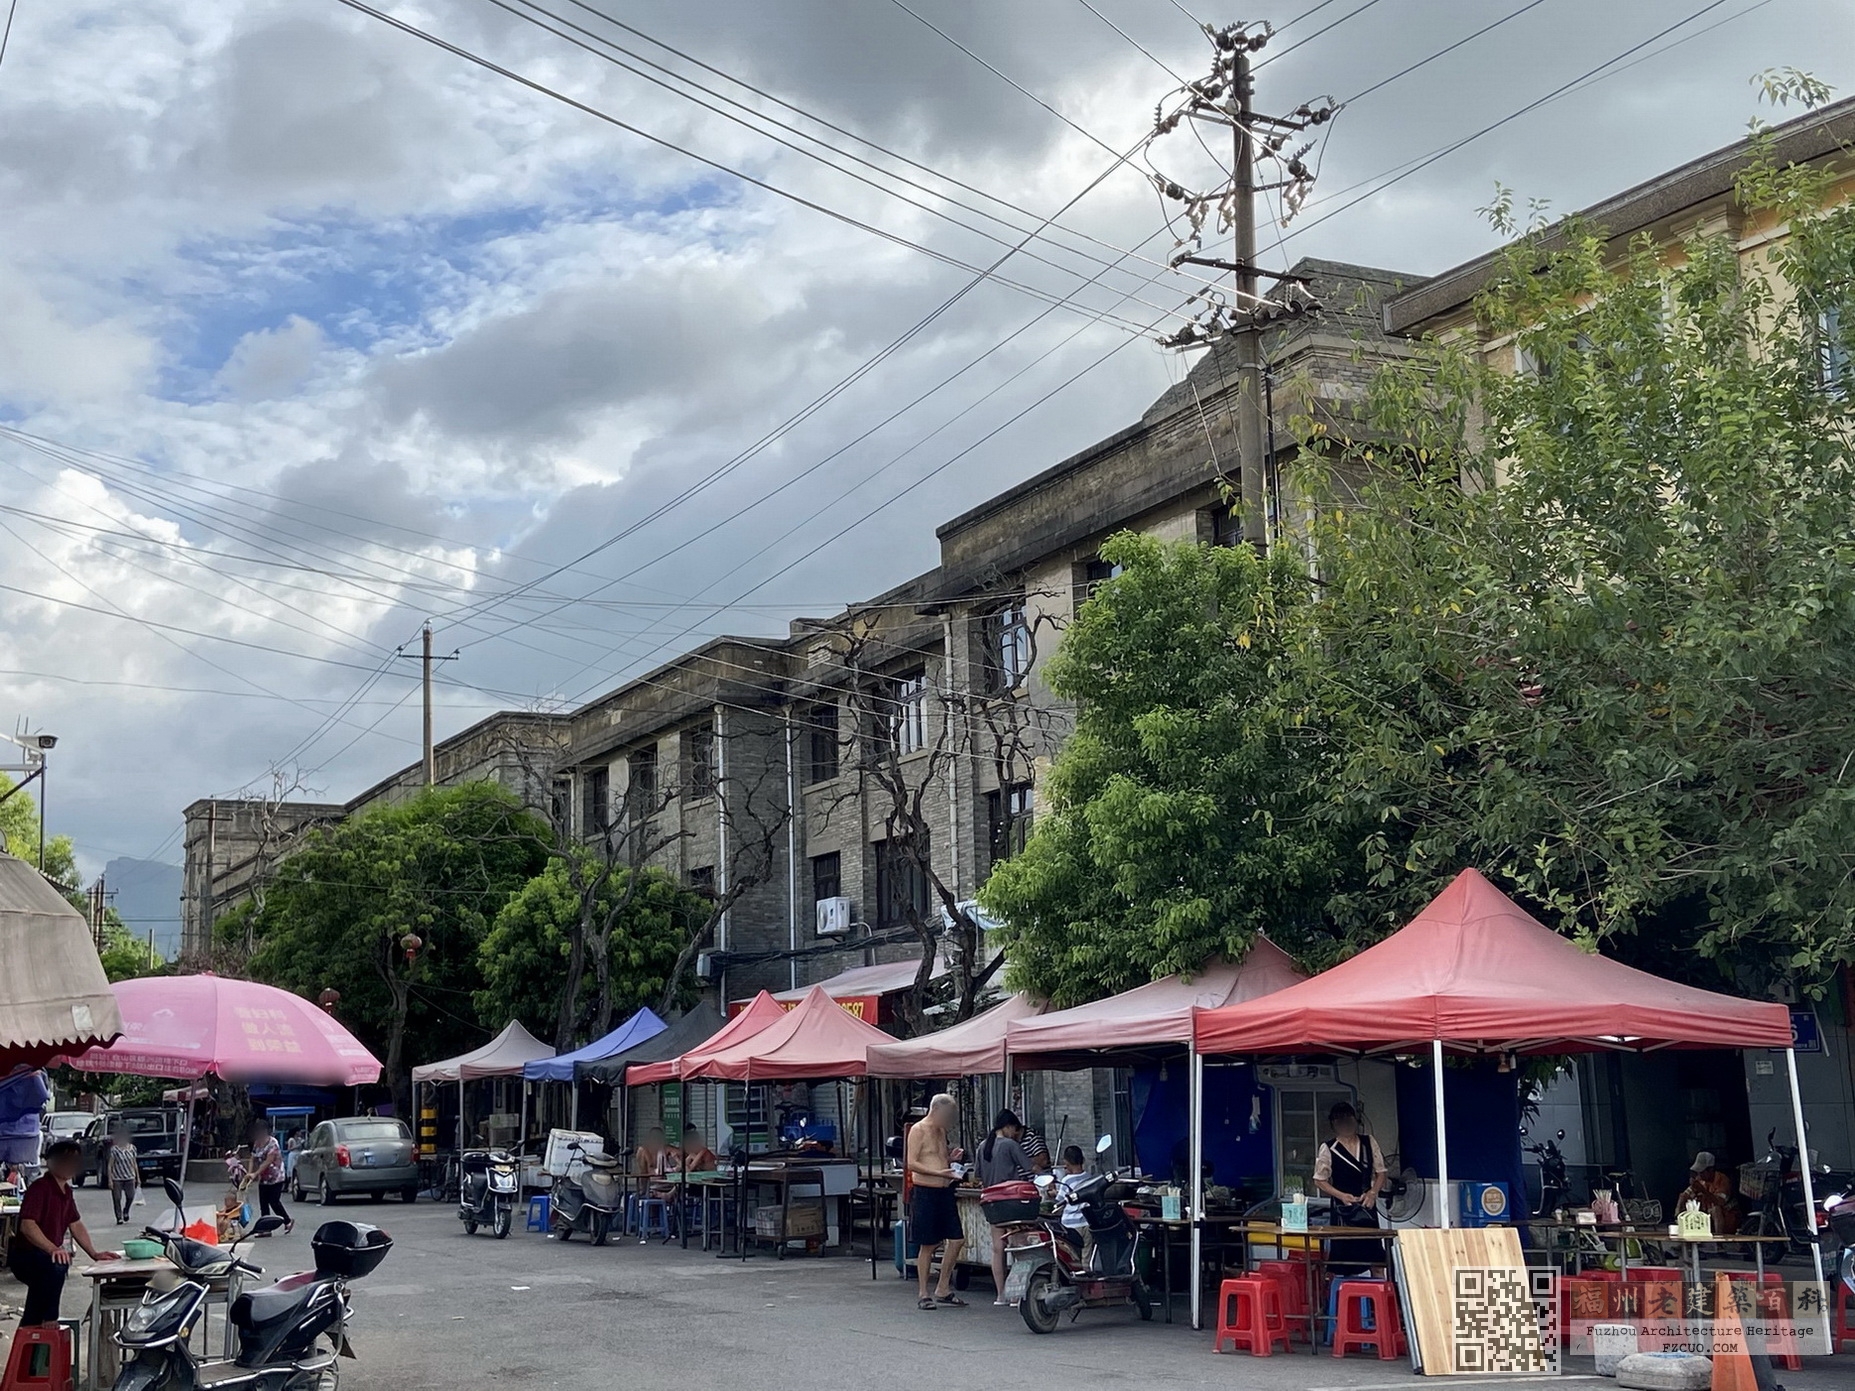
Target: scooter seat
[[256, 1310]]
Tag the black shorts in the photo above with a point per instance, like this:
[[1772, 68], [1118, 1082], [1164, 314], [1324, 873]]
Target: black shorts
[[934, 1216]]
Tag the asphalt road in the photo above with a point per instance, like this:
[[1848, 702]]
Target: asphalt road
[[448, 1311]]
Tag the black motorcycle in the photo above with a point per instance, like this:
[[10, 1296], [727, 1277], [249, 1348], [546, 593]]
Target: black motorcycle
[[488, 1187], [290, 1334], [589, 1201]]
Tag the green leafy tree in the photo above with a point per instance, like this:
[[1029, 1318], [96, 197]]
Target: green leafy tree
[[1178, 821], [338, 914], [641, 917], [1594, 630]]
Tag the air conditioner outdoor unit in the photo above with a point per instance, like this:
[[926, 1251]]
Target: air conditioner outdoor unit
[[834, 917]]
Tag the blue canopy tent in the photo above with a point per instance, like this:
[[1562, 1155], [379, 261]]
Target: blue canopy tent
[[641, 1027]]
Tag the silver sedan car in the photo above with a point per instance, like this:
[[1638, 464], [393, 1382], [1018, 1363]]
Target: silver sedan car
[[361, 1154]]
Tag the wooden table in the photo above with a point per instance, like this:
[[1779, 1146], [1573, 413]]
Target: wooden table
[[118, 1286], [1624, 1233]]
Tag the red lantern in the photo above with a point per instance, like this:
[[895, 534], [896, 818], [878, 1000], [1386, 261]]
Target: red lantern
[[328, 999], [410, 944]]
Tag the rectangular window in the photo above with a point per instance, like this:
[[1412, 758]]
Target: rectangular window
[[642, 766], [1009, 813], [747, 1113], [560, 802], [1226, 526], [821, 750], [827, 876], [907, 713], [1094, 575], [699, 756], [1007, 635], [702, 880], [1834, 357], [901, 886], [596, 812]]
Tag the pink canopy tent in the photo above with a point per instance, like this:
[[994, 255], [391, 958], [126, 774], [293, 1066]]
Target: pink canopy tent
[[1475, 973], [1149, 1019], [968, 1049], [761, 1013], [814, 1041], [187, 1027]]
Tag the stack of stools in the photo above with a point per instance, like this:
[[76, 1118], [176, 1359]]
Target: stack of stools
[[1291, 1283], [1843, 1330], [1369, 1319], [1249, 1316]]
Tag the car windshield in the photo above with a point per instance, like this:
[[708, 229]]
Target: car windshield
[[70, 1120], [372, 1130], [141, 1125]]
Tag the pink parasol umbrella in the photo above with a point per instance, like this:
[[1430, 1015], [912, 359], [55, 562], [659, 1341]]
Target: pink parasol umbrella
[[188, 1027]]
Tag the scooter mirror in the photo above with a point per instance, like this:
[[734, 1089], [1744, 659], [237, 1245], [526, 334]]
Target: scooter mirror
[[1104, 1144], [1561, 1134], [175, 1193], [266, 1225]]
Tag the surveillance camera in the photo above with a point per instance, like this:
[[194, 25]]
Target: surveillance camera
[[46, 741]]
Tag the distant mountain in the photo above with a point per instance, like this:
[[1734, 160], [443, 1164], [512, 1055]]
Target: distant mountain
[[147, 896]]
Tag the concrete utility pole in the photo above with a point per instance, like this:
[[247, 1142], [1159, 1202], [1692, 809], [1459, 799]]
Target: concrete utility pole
[[1227, 97], [425, 660], [1250, 430]]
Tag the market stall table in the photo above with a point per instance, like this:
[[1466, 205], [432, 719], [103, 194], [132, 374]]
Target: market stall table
[[118, 1286], [1216, 1235]]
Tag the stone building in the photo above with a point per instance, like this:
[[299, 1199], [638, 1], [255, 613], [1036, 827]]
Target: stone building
[[847, 788]]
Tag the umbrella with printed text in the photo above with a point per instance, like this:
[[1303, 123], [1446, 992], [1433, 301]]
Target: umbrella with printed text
[[188, 1027]]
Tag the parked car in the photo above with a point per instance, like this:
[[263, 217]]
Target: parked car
[[157, 1131], [361, 1154], [67, 1125]]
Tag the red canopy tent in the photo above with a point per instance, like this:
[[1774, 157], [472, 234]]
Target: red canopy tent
[[1475, 973], [970, 1049], [816, 1040], [1153, 1018], [763, 1012]]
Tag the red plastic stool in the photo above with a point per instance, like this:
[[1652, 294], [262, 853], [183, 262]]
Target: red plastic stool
[[41, 1360], [1291, 1282], [1249, 1315], [1385, 1336], [1842, 1331]]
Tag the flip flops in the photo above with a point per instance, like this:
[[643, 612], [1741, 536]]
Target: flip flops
[[950, 1299], [925, 1303]]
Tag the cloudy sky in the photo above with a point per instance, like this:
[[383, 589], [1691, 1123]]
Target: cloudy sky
[[310, 329]]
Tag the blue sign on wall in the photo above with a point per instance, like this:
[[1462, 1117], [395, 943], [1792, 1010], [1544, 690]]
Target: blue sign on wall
[[1806, 1033]]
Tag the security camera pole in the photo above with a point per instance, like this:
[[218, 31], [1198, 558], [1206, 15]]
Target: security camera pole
[[34, 747]]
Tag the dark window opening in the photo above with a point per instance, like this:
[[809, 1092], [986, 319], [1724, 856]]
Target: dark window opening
[[1009, 812], [1226, 525], [1007, 635], [699, 745], [702, 880], [901, 883], [821, 751], [596, 813], [827, 876]]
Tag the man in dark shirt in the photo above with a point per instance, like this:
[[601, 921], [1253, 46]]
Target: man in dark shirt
[[47, 1214]]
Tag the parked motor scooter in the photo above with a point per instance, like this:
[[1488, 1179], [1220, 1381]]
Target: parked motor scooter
[[590, 1202], [487, 1191], [282, 1328], [1049, 1275]]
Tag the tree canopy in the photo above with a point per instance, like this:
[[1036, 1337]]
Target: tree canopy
[[644, 915], [439, 867], [1589, 626]]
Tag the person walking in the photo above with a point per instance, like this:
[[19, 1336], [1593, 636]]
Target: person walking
[[125, 1172], [48, 1217], [934, 1212], [292, 1147], [1002, 1160], [267, 1164]]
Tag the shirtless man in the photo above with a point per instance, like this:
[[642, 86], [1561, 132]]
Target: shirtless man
[[934, 1213]]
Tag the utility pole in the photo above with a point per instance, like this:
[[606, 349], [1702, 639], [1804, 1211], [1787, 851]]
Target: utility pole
[[426, 659], [1227, 97]]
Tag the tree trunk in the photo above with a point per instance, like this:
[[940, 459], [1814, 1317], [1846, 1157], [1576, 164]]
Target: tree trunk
[[686, 957], [570, 992], [398, 1077]]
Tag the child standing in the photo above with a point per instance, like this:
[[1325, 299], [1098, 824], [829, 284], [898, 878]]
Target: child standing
[[124, 1173]]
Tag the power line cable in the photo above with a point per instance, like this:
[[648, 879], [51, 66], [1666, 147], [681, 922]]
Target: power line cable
[[1302, 43]]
